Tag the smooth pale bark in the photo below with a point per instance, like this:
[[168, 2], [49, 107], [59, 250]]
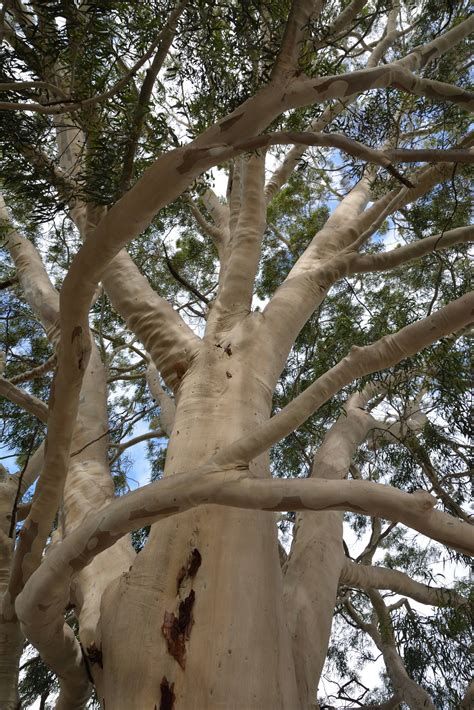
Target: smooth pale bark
[[88, 485], [126, 219], [213, 394], [283, 172], [235, 296], [365, 263], [166, 404], [176, 494], [301, 292], [170, 342], [23, 399], [11, 637], [317, 558], [312, 572], [360, 361], [322, 263], [165, 180], [433, 524], [238, 560], [383, 157], [306, 91], [413, 694]]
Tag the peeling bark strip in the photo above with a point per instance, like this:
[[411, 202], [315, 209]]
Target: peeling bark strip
[[177, 630], [192, 566], [167, 695]]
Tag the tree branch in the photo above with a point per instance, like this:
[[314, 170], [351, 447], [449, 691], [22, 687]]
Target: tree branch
[[306, 91], [235, 296], [181, 492], [166, 37], [23, 399], [164, 334], [164, 401], [72, 105], [300, 14], [369, 577], [384, 353], [366, 263], [35, 372]]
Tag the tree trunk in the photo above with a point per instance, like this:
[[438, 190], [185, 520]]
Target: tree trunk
[[11, 638], [201, 609]]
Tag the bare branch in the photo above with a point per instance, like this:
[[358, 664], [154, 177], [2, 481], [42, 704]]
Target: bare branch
[[72, 105], [166, 37], [181, 492], [365, 263], [162, 331], [35, 372], [164, 401], [23, 399], [367, 577], [306, 91]]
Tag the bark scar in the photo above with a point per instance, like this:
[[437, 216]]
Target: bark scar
[[167, 695], [94, 655], [190, 570], [177, 630]]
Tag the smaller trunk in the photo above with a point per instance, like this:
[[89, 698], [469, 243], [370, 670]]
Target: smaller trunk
[[11, 638]]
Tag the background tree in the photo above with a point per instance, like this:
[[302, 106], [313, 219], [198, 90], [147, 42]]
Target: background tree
[[264, 339]]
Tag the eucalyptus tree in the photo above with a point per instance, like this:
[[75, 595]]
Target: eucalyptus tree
[[270, 336]]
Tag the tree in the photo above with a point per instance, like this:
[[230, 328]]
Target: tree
[[349, 363]]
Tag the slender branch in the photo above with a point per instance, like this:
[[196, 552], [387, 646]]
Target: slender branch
[[184, 282], [384, 158], [124, 445], [180, 492], [23, 399], [412, 693], [210, 229], [367, 577], [19, 86], [72, 105], [35, 372], [166, 37], [365, 263]]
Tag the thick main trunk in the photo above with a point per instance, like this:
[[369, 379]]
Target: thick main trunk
[[198, 621]]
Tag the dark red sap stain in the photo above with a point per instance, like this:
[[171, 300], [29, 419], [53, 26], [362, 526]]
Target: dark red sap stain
[[190, 570], [177, 629], [167, 695]]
